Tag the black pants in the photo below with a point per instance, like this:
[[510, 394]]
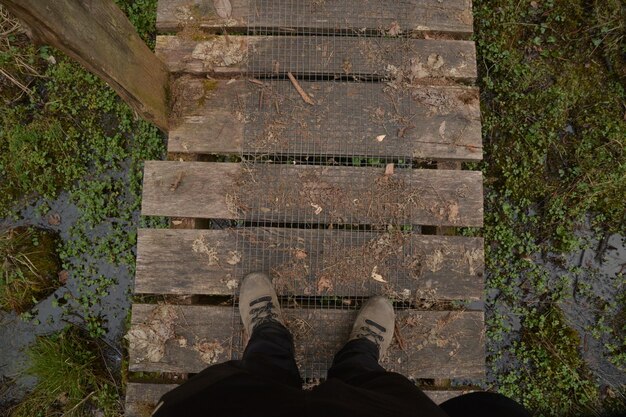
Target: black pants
[[266, 382]]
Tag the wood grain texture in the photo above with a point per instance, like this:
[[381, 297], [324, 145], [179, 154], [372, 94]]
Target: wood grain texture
[[439, 344], [100, 37], [316, 194], [141, 398], [355, 57], [426, 122], [413, 16], [310, 262]]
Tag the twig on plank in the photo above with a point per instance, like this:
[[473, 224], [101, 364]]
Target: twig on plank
[[257, 82], [299, 89], [177, 181], [399, 338]]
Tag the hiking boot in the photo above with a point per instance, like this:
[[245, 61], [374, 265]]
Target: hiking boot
[[375, 322], [258, 302]]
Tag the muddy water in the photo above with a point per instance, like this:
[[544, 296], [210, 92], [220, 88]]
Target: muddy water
[[16, 334], [605, 273]]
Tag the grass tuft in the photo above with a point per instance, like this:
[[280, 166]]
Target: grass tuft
[[72, 379], [29, 267]]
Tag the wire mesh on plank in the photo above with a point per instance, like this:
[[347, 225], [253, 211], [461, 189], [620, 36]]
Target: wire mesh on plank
[[327, 88]]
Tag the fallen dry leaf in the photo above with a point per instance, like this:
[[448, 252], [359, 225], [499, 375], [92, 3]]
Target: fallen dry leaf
[[434, 262], [200, 245], [394, 29], [234, 258], [300, 254], [209, 351], [148, 339], [453, 211], [442, 130], [223, 8], [63, 276], [389, 169], [435, 61], [380, 138], [54, 219], [324, 284], [376, 276], [318, 209]]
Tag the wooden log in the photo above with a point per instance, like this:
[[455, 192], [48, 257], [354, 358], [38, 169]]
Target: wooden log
[[436, 122], [97, 34], [454, 17], [187, 339], [310, 262], [314, 194], [416, 60], [142, 398]]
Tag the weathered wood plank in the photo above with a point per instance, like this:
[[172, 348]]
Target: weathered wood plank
[[316, 194], [413, 16], [100, 37], [410, 60], [141, 398], [427, 122], [310, 262], [186, 339]]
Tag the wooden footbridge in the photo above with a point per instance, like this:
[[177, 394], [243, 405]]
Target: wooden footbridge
[[353, 120]]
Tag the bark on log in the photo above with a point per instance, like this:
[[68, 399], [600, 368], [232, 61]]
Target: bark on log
[[98, 35]]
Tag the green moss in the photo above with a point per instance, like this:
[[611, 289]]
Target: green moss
[[29, 267], [72, 379], [208, 87], [552, 379]]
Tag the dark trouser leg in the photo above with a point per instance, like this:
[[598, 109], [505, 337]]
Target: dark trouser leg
[[266, 375], [356, 358], [270, 354], [483, 404], [368, 385]]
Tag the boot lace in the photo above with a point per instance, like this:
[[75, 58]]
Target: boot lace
[[264, 313], [369, 333]]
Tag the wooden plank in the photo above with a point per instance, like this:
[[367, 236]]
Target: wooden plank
[[186, 339], [141, 398], [100, 37], [315, 194], [413, 16], [435, 122], [415, 60], [310, 262]]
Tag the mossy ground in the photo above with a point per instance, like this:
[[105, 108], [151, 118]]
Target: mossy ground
[[552, 76]]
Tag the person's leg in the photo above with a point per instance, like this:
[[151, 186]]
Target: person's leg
[[266, 373], [270, 354], [356, 376], [483, 404]]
